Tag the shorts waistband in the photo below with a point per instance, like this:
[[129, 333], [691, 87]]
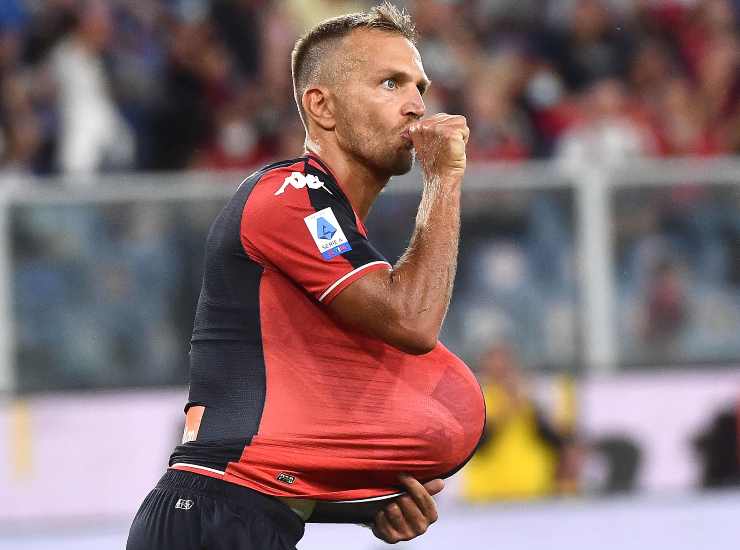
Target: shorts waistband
[[245, 497]]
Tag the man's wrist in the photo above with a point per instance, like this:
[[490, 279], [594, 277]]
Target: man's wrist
[[443, 184], [441, 198], [452, 177]]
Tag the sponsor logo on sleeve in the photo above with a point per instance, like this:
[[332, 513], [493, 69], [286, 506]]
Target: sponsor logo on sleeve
[[327, 233], [299, 181]]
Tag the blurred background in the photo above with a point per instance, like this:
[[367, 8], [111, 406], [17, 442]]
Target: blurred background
[[598, 289]]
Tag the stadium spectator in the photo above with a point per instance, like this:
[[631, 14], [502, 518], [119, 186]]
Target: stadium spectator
[[590, 47], [608, 131], [93, 135], [718, 449], [682, 122], [502, 128], [666, 306], [522, 455], [22, 136]]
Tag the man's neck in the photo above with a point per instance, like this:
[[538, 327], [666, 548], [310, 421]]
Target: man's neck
[[361, 185]]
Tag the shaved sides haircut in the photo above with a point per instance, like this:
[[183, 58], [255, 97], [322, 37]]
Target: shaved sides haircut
[[313, 51]]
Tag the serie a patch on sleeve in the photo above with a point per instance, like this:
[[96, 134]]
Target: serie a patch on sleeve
[[327, 233]]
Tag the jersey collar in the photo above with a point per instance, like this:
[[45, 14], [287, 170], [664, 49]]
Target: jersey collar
[[315, 161], [321, 165]]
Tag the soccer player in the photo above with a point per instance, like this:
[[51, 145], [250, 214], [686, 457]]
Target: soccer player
[[319, 391]]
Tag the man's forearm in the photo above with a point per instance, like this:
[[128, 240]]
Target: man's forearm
[[406, 306], [422, 280]]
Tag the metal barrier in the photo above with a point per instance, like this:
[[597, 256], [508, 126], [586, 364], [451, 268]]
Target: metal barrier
[[539, 265]]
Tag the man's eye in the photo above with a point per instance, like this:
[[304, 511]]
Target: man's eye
[[390, 83]]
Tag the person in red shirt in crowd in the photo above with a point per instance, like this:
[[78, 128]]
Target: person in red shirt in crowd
[[319, 390]]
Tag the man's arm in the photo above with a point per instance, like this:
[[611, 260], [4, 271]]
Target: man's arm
[[406, 306]]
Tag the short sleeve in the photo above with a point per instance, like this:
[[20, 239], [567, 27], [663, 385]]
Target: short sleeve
[[302, 225]]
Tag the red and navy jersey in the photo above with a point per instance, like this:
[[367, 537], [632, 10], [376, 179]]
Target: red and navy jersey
[[296, 404]]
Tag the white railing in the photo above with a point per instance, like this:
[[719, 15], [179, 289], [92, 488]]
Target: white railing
[[592, 185]]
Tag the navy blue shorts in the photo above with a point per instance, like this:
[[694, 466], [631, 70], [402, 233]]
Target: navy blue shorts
[[188, 511]]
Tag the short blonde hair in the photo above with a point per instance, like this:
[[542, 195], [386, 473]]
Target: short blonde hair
[[314, 47]]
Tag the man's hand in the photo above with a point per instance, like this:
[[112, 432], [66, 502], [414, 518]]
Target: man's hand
[[409, 515], [440, 145]]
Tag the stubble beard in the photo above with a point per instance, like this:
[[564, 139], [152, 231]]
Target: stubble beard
[[384, 159], [367, 143]]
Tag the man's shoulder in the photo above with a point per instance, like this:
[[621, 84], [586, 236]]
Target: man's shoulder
[[262, 185], [289, 182], [276, 170]]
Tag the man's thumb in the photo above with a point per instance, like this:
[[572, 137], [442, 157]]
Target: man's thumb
[[435, 486]]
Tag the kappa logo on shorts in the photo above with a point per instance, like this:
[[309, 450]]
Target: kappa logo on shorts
[[327, 233], [285, 478], [184, 504], [299, 181]]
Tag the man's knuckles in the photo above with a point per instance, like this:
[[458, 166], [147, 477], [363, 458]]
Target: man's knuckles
[[394, 513], [439, 133], [434, 124]]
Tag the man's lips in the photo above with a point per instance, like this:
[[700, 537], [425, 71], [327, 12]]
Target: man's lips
[[406, 135]]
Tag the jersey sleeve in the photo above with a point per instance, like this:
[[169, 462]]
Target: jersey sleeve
[[307, 232]]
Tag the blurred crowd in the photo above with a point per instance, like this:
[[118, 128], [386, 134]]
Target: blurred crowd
[[89, 85], [677, 273]]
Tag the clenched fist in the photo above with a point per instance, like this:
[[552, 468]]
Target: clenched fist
[[440, 144]]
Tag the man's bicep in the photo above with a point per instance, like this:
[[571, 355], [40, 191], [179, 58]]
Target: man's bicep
[[363, 304], [368, 305]]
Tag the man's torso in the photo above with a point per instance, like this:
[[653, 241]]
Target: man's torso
[[295, 404]]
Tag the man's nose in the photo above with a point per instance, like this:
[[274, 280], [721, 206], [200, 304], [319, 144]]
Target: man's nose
[[414, 106]]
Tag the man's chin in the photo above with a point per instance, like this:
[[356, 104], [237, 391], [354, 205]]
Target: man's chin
[[403, 163]]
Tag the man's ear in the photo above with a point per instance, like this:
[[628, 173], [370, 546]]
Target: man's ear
[[319, 107]]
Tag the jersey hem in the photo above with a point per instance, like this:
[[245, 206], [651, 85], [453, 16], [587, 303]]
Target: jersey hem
[[238, 480], [195, 469]]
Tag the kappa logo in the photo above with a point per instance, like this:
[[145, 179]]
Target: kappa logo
[[184, 504], [299, 181]]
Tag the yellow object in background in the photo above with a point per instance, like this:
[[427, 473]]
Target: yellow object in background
[[514, 463], [20, 439]]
